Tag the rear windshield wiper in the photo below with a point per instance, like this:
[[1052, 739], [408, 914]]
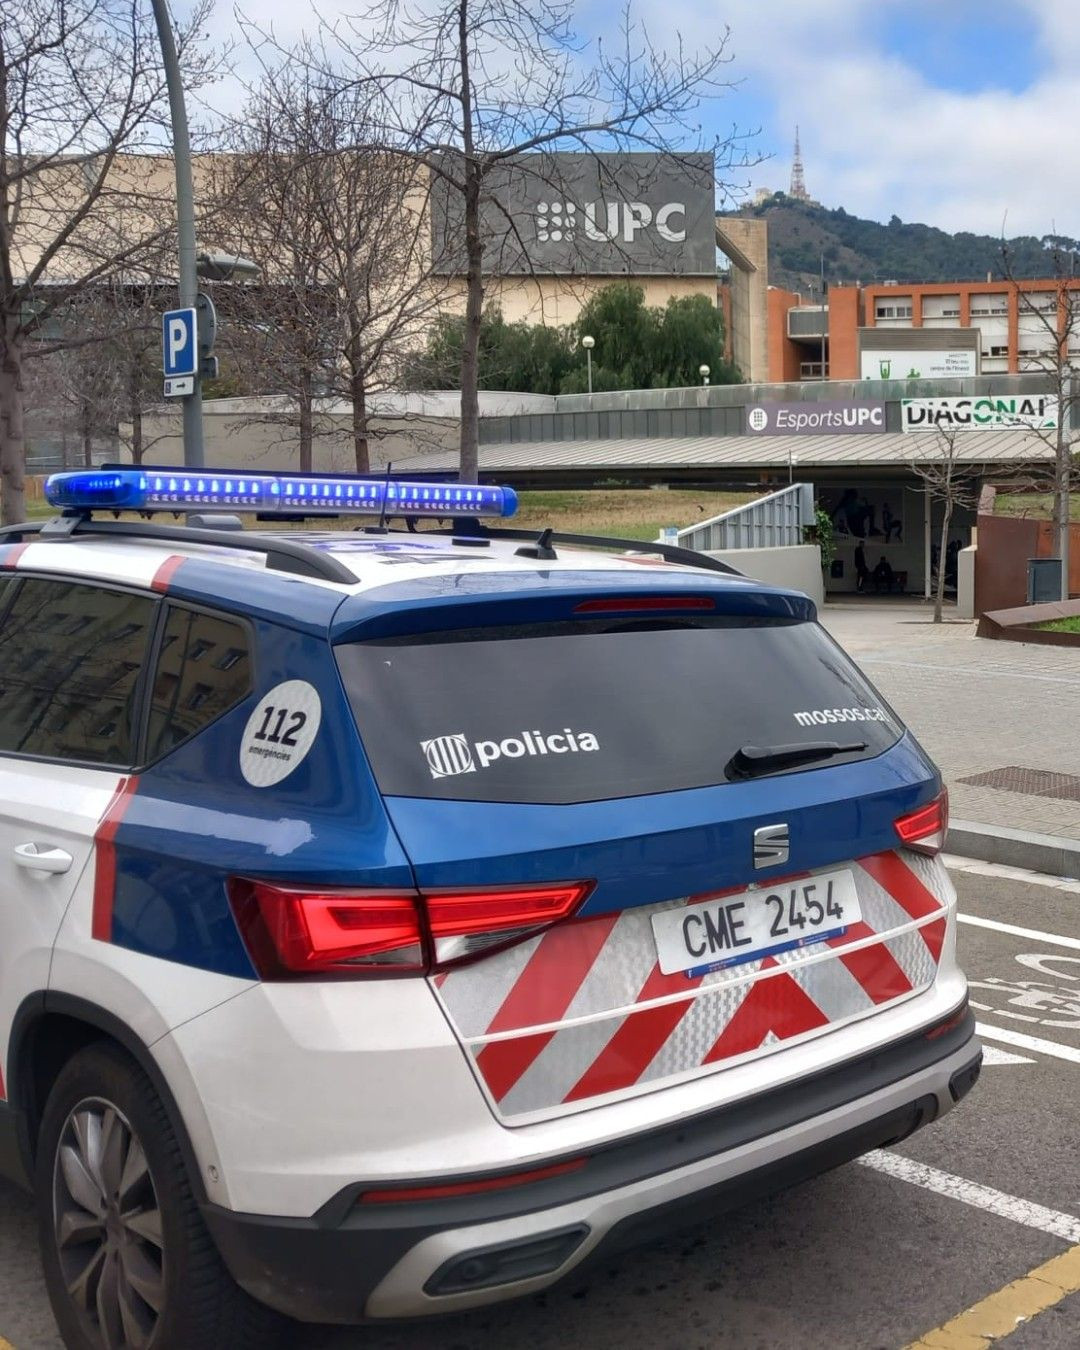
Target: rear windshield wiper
[[752, 760]]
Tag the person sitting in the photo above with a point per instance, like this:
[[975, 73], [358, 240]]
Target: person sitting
[[884, 576]]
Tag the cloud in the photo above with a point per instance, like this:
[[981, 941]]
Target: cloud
[[880, 134]]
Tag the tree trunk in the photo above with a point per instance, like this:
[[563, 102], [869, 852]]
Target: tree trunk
[[306, 402], [86, 433], [135, 411], [943, 551], [468, 471], [358, 389], [12, 432]]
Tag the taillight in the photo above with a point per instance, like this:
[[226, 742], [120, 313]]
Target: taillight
[[925, 829], [294, 931], [623, 604]]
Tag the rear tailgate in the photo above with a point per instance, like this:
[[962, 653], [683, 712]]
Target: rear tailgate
[[600, 749]]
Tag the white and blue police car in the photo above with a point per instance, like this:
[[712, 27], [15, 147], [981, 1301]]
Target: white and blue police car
[[393, 921]]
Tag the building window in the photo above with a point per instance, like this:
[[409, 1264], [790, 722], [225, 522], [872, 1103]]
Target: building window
[[883, 311], [811, 370]]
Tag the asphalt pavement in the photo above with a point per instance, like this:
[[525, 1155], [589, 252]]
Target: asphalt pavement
[[877, 1255]]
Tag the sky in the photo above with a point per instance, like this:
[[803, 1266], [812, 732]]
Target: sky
[[956, 113]]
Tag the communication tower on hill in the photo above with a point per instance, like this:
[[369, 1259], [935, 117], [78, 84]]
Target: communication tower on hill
[[798, 182]]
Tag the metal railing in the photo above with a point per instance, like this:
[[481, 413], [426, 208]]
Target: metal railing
[[774, 521]]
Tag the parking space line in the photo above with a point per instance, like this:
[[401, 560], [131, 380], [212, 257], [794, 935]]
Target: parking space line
[[1052, 1221], [1044, 1047], [1052, 939], [1004, 1311]]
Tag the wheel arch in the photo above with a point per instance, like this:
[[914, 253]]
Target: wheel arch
[[47, 1030]]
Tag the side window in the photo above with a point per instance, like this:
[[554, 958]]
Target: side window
[[70, 657], [203, 670]]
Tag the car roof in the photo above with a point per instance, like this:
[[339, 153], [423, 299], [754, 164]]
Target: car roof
[[382, 567]]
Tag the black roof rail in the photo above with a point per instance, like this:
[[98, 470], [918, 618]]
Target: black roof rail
[[688, 557], [282, 555]]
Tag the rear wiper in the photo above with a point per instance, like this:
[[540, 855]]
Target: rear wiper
[[752, 760]]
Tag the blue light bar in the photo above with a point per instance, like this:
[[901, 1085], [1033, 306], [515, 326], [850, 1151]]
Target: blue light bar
[[271, 494]]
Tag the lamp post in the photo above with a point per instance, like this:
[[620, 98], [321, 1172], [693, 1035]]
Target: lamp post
[[589, 343], [185, 220], [703, 371]]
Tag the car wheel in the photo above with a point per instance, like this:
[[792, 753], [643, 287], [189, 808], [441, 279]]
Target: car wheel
[[128, 1262]]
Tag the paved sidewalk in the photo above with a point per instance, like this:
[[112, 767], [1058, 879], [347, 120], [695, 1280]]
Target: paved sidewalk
[[977, 706]]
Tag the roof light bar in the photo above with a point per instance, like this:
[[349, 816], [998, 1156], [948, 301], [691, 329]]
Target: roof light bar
[[272, 494]]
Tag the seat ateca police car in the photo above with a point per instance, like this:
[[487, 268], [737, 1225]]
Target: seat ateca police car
[[393, 921]]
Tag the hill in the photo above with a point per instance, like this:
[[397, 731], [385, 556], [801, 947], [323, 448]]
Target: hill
[[801, 233]]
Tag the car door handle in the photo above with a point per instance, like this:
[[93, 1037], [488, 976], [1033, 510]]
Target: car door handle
[[41, 858]]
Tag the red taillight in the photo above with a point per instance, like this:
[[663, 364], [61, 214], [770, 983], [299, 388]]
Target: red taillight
[[292, 931], [633, 603], [478, 1186], [925, 829]]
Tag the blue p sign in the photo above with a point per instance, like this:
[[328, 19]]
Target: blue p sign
[[179, 343]]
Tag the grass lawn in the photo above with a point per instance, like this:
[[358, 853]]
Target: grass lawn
[[1040, 505], [1071, 625], [633, 513]]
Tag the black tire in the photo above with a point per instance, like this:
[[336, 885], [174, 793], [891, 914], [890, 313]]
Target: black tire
[[102, 1110]]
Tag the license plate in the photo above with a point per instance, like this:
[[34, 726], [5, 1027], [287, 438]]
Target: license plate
[[756, 923]]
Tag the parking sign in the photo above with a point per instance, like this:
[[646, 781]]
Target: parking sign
[[179, 343]]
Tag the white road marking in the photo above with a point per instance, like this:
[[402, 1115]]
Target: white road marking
[[974, 867], [1035, 934], [1052, 1221], [1024, 1042], [965, 670], [992, 1055]]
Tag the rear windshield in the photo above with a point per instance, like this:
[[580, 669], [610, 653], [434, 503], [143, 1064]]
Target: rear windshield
[[585, 712]]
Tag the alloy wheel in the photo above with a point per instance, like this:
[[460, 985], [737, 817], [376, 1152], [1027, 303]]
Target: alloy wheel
[[108, 1228]]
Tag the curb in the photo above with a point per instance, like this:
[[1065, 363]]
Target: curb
[[1015, 848]]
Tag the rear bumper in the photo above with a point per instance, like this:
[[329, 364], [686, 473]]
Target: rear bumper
[[352, 1262]]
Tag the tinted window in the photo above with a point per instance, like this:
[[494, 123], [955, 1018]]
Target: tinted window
[[580, 715], [203, 669], [70, 658]]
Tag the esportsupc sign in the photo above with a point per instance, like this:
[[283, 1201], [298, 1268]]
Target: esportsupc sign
[[821, 418], [587, 215]]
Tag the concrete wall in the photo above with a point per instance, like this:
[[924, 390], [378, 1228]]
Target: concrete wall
[[745, 240], [797, 567], [965, 582]]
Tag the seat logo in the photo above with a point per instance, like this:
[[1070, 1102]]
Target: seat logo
[[772, 845], [448, 755]]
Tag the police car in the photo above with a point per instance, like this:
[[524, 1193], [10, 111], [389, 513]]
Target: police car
[[394, 921]]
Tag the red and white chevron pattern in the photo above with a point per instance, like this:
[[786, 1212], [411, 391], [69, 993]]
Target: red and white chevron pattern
[[584, 1010]]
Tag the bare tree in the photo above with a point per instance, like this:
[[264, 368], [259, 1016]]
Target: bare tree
[[340, 230], [1049, 342], [474, 89], [81, 90], [946, 481]]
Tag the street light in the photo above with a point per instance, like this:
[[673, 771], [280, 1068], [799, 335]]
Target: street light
[[589, 343], [226, 267], [703, 371]]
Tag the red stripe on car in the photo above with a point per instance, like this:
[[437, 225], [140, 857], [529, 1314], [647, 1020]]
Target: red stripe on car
[[11, 553], [775, 1005], [638, 1039], [165, 572], [902, 884], [553, 974], [105, 860], [875, 968]]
